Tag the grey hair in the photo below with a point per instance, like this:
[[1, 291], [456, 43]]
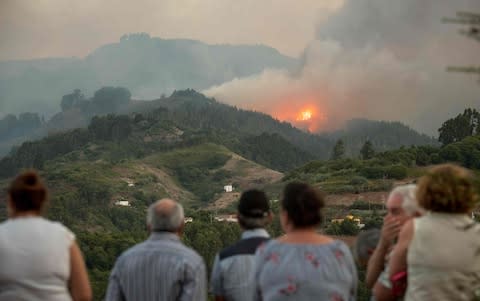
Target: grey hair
[[409, 199], [253, 222], [366, 242], [165, 220]]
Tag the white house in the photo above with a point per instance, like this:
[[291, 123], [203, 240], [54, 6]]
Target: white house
[[188, 219], [122, 203], [228, 188], [232, 218]]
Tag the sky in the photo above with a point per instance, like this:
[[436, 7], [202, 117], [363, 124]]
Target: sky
[[377, 59], [59, 28]]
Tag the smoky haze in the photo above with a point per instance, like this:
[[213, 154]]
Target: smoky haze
[[372, 59]]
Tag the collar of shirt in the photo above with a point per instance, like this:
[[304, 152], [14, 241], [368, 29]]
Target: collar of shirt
[[260, 232], [162, 235]]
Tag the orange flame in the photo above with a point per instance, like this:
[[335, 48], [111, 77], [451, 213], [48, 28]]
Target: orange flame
[[305, 115]]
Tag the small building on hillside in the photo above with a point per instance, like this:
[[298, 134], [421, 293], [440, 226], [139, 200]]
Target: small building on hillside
[[231, 218], [228, 188], [122, 203], [356, 220], [188, 219]]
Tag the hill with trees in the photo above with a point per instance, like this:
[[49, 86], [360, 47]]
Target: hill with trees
[[176, 149], [383, 136], [213, 120], [147, 66]]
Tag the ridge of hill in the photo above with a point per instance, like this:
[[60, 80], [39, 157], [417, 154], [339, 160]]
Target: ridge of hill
[[147, 66], [384, 135], [241, 130]]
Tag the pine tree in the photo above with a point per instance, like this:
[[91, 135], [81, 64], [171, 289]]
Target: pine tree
[[367, 150], [338, 150]]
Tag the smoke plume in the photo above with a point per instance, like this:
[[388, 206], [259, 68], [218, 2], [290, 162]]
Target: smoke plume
[[372, 59]]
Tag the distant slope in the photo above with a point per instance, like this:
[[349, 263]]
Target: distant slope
[[84, 185], [384, 135], [147, 66]]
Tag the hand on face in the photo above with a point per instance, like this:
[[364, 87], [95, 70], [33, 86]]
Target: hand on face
[[391, 228]]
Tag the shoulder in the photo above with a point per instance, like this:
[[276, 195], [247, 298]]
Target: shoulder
[[243, 247], [57, 231], [190, 256], [267, 246]]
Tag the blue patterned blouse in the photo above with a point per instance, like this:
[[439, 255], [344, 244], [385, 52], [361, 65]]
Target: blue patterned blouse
[[287, 271]]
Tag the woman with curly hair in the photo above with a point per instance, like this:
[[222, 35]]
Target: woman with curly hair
[[441, 249]]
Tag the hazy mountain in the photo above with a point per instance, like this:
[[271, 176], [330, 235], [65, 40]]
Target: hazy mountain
[[147, 66], [384, 135]]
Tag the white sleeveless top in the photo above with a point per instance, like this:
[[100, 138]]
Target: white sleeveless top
[[34, 259], [444, 258]]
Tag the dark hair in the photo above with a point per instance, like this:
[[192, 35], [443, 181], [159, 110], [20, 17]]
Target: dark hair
[[447, 188], [303, 204], [27, 192], [253, 209]]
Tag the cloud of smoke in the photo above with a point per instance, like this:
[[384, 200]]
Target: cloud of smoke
[[372, 59]]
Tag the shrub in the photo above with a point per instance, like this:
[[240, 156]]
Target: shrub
[[396, 172]]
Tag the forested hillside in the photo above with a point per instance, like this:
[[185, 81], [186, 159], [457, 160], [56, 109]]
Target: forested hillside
[[142, 157], [227, 125]]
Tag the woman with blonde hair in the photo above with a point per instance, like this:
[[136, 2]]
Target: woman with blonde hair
[[441, 249], [39, 259]]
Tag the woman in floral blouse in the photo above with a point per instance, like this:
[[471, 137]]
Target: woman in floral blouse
[[303, 264]]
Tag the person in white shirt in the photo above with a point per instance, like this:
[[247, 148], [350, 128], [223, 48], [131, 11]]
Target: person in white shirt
[[39, 259], [441, 249]]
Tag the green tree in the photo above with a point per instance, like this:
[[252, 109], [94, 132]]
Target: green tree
[[71, 100], [459, 127], [338, 150], [367, 150]]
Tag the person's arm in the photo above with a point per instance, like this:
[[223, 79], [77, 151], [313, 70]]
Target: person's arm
[[216, 285], [398, 260], [78, 283], [195, 284], [382, 293], [376, 263]]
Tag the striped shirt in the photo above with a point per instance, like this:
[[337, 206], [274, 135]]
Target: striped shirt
[[232, 272], [160, 268]]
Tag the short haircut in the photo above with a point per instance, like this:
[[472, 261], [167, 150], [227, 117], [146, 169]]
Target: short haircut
[[27, 192], [303, 204], [365, 243], [447, 188], [253, 209], [169, 220], [409, 198]]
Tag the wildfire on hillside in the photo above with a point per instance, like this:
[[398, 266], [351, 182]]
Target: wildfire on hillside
[[307, 115]]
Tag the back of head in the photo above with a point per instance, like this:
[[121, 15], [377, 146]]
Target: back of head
[[27, 192], [447, 188], [165, 215], [253, 209], [365, 244], [303, 204]]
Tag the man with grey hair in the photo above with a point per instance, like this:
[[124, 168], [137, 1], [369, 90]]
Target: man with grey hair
[[160, 268], [233, 266], [401, 206]]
